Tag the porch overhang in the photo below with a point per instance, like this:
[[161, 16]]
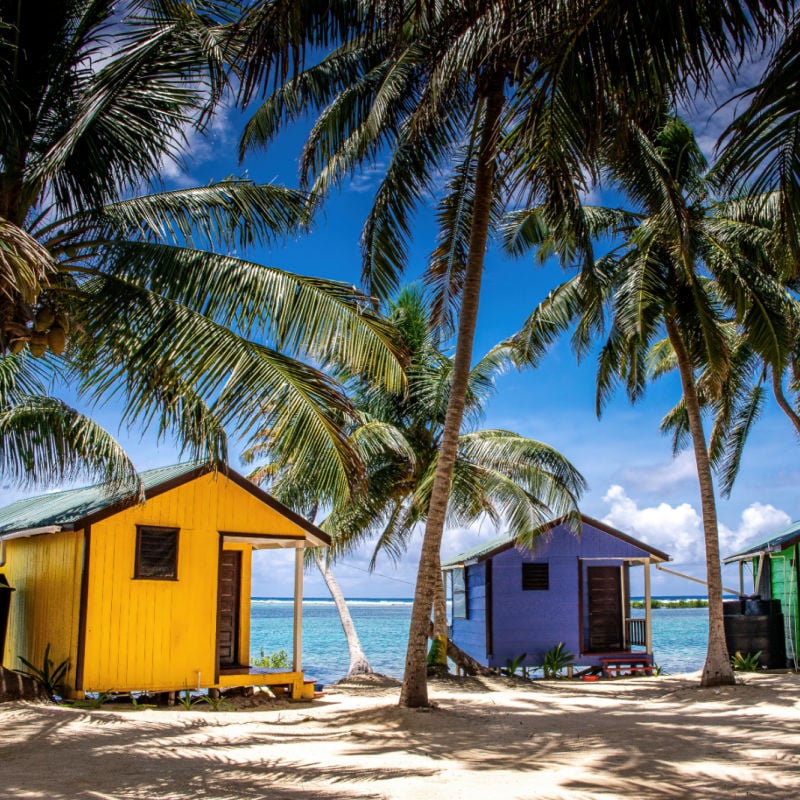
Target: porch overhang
[[266, 541]]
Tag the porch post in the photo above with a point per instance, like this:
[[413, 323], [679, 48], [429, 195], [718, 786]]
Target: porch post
[[741, 577], [648, 620], [297, 652]]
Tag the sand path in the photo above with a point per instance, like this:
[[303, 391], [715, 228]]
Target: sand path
[[660, 738]]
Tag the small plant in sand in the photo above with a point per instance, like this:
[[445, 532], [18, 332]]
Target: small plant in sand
[[186, 700], [556, 660], [138, 705], [92, 701], [745, 663], [513, 664], [216, 701], [50, 675]]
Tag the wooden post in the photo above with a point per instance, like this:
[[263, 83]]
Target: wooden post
[[741, 577], [648, 620], [625, 643], [297, 653]]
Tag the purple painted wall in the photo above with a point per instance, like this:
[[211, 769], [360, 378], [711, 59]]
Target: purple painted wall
[[533, 621]]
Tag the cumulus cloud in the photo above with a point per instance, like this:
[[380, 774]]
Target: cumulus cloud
[[678, 530]]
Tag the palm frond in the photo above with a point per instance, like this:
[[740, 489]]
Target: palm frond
[[44, 441], [329, 320], [225, 215]]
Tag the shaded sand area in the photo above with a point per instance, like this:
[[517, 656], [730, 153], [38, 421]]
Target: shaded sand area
[[496, 738]]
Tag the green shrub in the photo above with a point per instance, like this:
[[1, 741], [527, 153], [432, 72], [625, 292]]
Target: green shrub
[[745, 663], [556, 659], [513, 664], [277, 660]]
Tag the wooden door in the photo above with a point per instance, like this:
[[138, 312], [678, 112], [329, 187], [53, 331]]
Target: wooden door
[[230, 573], [605, 609]]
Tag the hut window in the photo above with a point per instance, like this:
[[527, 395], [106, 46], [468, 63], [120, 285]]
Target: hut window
[[536, 576], [460, 609], [156, 553]]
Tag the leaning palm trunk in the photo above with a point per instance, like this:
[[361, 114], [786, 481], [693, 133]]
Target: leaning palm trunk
[[783, 403], [414, 692], [359, 664], [437, 657], [717, 670]]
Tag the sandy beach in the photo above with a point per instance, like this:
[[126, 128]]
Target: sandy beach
[[490, 738]]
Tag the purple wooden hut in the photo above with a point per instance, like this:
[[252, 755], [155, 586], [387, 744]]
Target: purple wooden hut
[[570, 588]]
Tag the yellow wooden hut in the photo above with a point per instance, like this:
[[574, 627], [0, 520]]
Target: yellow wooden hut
[[151, 596]]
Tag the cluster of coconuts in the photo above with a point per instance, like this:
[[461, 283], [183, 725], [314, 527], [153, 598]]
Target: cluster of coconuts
[[49, 332]]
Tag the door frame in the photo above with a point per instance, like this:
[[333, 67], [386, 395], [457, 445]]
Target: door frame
[[587, 633], [237, 638]]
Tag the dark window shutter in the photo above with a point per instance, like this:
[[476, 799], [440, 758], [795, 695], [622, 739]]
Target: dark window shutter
[[536, 576], [156, 553]]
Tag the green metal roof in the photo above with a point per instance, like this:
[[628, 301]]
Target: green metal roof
[[66, 508], [775, 542], [476, 553]]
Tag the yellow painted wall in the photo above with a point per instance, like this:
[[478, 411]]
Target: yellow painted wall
[[46, 573], [158, 635]]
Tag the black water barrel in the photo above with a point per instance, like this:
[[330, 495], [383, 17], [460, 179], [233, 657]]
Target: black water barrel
[[733, 606], [756, 607], [751, 633]]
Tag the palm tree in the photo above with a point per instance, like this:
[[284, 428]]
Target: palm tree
[[499, 475], [680, 266], [504, 97], [138, 290]]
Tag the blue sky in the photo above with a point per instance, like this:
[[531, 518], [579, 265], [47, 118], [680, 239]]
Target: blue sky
[[634, 482]]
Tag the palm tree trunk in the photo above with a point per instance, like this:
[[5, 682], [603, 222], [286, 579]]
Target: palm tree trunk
[[717, 670], [359, 664], [780, 397], [414, 692], [437, 657]]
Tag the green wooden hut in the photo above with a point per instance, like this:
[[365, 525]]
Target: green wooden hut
[[771, 569]]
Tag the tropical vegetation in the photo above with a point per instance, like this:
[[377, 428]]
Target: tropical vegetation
[[504, 99], [499, 476], [683, 280], [129, 293]]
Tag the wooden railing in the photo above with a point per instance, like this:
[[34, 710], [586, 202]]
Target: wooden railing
[[636, 631]]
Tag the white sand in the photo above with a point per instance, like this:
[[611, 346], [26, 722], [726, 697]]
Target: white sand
[[636, 738]]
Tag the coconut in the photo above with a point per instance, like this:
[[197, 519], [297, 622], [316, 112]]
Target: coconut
[[44, 319], [16, 346], [56, 340], [37, 348]]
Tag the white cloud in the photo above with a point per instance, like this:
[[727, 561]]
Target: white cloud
[[660, 477], [368, 179], [678, 530], [757, 521], [709, 116]]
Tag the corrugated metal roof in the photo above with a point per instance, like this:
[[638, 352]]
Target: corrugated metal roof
[[777, 541], [67, 507], [476, 553]]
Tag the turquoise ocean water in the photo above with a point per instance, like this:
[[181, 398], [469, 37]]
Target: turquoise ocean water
[[679, 635]]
